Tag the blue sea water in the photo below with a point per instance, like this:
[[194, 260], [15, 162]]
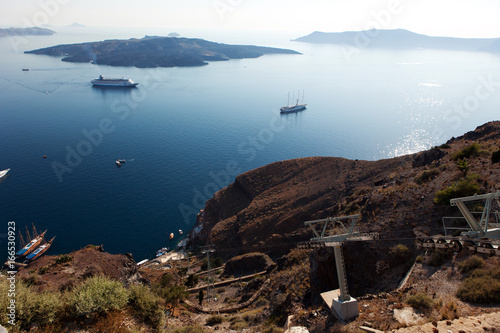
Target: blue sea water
[[186, 132]]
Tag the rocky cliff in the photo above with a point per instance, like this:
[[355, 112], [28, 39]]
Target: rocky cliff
[[66, 271], [265, 209]]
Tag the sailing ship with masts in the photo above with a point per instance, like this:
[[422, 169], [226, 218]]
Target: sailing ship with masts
[[32, 244], [296, 107], [35, 247]]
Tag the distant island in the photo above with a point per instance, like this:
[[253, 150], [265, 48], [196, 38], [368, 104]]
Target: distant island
[[155, 51], [75, 25], [401, 39], [173, 34], [72, 25], [33, 31]]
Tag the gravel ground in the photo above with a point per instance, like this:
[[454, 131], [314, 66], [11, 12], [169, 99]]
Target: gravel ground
[[489, 322]]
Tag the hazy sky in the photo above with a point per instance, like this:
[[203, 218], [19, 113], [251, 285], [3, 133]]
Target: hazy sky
[[460, 18]]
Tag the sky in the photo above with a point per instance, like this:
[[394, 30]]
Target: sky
[[454, 18]]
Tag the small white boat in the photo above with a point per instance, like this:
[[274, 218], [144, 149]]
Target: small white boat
[[3, 173], [162, 251], [180, 232], [142, 262]]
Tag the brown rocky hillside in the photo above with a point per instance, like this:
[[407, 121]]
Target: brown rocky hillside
[[264, 209], [52, 273]]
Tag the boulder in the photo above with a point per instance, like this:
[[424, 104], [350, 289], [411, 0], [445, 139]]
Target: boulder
[[246, 264]]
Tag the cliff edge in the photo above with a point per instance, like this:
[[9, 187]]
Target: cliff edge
[[264, 210]]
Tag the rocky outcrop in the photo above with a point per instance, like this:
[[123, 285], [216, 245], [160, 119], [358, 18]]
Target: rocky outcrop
[[427, 157], [84, 263]]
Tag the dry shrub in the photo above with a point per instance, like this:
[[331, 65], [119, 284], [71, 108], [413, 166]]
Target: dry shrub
[[420, 301], [214, 320], [472, 150], [482, 286], [449, 311], [111, 322], [470, 264]]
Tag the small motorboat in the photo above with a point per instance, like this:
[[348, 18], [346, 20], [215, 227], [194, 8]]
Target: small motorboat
[[3, 173], [119, 162], [171, 235], [162, 251], [180, 232]]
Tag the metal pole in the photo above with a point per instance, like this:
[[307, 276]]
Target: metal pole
[[341, 274]]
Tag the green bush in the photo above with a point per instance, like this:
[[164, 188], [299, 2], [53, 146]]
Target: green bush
[[480, 272], [146, 305], [31, 306], [426, 176], [63, 258], [98, 294], [420, 301], [495, 157], [173, 294], [43, 270], [399, 254], [214, 320], [464, 166], [444, 146], [463, 188], [467, 152], [470, 264]]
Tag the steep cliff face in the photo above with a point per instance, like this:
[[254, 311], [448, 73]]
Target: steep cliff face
[[265, 209]]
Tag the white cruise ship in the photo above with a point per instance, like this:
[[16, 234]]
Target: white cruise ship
[[110, 82]]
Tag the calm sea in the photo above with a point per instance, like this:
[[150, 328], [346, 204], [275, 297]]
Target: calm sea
[[186, 132]]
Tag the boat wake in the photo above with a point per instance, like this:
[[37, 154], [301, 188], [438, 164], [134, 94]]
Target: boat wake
[[46, 91]]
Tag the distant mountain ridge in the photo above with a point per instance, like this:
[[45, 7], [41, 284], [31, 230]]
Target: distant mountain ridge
[[401, 39], [155, 51], [33, 31]]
